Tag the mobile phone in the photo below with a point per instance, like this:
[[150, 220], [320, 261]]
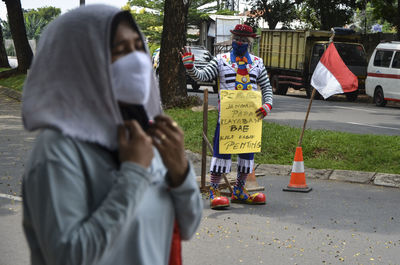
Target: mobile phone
[[135, 112]]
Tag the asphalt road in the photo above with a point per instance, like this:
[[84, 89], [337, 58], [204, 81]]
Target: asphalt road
[[361, 117], [336, 223]]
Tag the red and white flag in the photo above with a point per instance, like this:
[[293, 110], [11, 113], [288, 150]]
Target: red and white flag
[[332, 76]]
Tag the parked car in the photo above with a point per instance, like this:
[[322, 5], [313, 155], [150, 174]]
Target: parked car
[[201, 58], [384, 73]]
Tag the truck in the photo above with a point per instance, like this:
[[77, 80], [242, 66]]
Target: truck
[[290, 57]]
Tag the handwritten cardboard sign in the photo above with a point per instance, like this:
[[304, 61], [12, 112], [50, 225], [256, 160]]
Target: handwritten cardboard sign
[[240, 130]]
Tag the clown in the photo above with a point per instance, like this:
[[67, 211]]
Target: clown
[[236, 70]]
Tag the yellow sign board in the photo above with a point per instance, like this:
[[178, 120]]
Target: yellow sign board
[[240, 128]]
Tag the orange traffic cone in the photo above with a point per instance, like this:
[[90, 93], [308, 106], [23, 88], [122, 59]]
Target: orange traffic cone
[[298, 178]]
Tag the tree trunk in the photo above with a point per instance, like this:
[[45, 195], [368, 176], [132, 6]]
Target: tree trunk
[[18, 32], [324, 13], [3, 54], [172, 72], [272, 23], [82, 2]]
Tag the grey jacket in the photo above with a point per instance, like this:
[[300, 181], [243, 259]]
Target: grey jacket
[[82, 207]]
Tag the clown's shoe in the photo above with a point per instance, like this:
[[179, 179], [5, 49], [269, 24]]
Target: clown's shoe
[[216, 200], [240, 195]]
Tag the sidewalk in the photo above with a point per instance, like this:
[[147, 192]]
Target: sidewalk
[[11, 93], [362, 177]]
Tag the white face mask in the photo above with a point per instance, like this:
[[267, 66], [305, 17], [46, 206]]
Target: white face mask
[[131, 76]]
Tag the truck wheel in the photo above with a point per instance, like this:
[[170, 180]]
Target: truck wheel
[[379, 99], [352, 96], [195, 87], [276, 88]]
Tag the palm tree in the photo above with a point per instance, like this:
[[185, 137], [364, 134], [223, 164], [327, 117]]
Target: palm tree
[[34, 26]]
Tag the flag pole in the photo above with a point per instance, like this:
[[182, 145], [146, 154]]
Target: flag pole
[[305, 120], [311, 99]]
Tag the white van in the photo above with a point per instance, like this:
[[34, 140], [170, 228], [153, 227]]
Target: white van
[[383, 78]]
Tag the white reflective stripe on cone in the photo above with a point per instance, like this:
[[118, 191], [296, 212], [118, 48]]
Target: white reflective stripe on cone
[[298, 167]]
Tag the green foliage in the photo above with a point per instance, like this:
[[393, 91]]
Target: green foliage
[[151, 22], [197, 14], [192, 123], [152, 4], [252, 22], [325, 15], [308, 17], [153, 47], [15, 82], [322, 149], [386, 11], [273, 11], [35, 21], [34, 26], [47, 13], [365, 19], [6, 29]]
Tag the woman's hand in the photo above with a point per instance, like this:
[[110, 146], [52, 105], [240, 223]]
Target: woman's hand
[[134, 144], [169, 140]]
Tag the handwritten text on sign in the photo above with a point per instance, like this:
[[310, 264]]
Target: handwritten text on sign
[[240, 128]]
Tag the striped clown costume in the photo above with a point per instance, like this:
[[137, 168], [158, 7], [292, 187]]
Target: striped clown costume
[[236, 70]]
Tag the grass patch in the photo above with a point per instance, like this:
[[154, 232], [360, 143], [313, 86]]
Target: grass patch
[[322, 149], [15, 82]]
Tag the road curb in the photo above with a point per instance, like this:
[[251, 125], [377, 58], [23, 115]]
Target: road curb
[[363, 177], [11, 93]]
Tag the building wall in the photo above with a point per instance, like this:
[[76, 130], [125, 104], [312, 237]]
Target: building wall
[[9, 43]]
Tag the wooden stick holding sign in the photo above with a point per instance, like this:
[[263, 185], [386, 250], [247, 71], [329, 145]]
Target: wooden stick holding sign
[[206, 143]]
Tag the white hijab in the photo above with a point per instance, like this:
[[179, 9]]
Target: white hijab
[[69, 83]]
